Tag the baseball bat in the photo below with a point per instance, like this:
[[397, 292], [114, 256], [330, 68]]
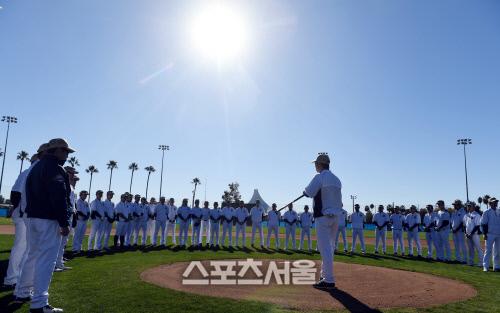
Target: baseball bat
[[292, 202]]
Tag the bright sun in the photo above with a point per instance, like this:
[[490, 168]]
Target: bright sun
[[219, 33]]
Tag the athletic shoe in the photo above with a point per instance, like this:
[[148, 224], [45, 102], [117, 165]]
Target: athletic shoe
[[345, 251], [58, 269], [46, 309], [323, 285], [376, 252], [485, 269]]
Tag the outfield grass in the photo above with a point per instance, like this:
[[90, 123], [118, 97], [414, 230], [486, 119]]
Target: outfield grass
[[111, 283]]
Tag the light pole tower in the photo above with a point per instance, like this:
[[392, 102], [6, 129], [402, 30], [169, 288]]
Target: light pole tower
[[353, 197], [162, 148], [465, 142], [8, 120]]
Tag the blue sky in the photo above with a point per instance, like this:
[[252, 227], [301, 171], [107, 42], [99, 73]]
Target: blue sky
[[386, 87]]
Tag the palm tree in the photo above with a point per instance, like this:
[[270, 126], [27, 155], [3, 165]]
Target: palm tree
[[111, 166], [196, 181], [150, 169], [91, 170], [73, 161], [133, 167], [1, 153], [23, 155]]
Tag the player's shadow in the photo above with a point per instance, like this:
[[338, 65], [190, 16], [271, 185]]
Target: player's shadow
[[350, 303], [7, 305]]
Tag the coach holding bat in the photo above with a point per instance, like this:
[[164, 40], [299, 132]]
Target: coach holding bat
[[325, 189]]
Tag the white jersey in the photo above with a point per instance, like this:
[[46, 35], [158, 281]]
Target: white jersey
[[342, 218], [228, 213], [380, 218], [397, 221], [357, 220], [325, 188], [471, 220], [143, 212], [161, 211], [256, 214], [241, 214], [442, 216], [184, 213], [273, 217], [97, 206], [429, 220], [123, 209], [306, 219], [290, 216], [205, 214], [196, 214], [457, 218], [172, 213], [413, 219], [215, 214], [20, 186], [492, 219], [83, 207], [109, 208]]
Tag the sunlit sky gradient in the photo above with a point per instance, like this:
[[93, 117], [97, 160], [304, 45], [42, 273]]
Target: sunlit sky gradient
[[386, 87]]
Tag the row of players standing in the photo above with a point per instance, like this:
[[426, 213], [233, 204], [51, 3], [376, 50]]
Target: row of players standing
[[465, 224], [135, 218]]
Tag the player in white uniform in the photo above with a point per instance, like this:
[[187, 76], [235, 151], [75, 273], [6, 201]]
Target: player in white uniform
[[342, 231], [215, 216], [358, 224], [228, 215], [273, 221], [142, 223], [306, 221], [472, 224], [82, 215], [397, 220], [161, 213], [130, 223], [430, 232], [241, 215], [457, 229], [96, 216], [381, 220], [172, 215], [490, 223], [73, 178], [412, 222], [205, 224], [19, 248], [443, 233], [256, 214], [290, 218], [151, 219], [184, 215], [136, 219], [122, 218], [109, 218], [196, 215]]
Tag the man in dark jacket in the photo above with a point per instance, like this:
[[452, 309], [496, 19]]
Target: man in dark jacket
[[48, 208]]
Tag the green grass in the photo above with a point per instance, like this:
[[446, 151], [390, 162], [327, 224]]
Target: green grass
[[6, 221], [111, 283]]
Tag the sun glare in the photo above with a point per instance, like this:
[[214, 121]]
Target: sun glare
[[219, 33]]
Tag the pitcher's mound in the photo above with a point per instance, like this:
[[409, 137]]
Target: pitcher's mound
[[359, 288]]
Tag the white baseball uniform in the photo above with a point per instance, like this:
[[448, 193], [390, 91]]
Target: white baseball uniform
[[306, 221], [357, 222], [457, 229], [256, 217], [228, 215], [381, 219], [342, 230], [290, 218], [397, 221]]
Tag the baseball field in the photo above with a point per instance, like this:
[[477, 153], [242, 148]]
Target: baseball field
[[149, 280]]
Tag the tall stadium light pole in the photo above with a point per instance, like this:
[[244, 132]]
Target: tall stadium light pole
[[162, 148], [353, 197], [465, 142], [8, 120]]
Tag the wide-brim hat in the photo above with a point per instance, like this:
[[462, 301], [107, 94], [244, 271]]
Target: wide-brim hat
[[61, 144]]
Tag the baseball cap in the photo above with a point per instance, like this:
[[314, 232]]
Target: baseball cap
[[457, 202], [84, 192], [110, 193], [440, 202], [493, 200], [322, 158], [60, 143], [43, 147]]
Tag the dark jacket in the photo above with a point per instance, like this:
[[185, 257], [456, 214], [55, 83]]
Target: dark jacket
[[47, 191]]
